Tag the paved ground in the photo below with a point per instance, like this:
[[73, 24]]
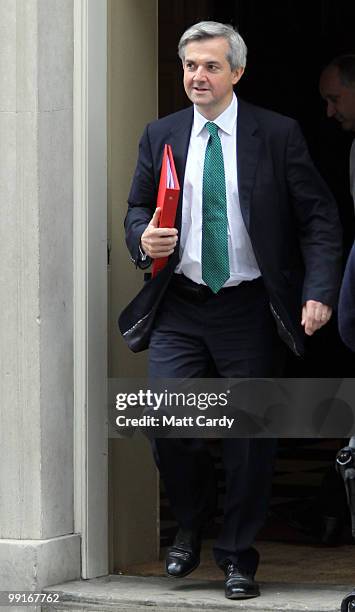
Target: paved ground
[[284, 562], [133, 594]]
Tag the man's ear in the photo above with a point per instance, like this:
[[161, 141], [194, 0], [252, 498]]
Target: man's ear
[[237, 75]]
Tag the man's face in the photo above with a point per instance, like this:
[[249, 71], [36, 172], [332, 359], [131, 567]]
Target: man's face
[[340, 98], [208, 77]]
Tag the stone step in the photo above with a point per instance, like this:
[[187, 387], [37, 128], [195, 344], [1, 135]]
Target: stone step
[[132, 593]]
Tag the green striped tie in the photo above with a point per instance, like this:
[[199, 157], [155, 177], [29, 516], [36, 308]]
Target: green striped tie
[[214, 256]]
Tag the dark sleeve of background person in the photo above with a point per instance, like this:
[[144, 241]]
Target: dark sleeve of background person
[[346, 311]]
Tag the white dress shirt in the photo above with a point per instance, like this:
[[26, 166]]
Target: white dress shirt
[[242, 262]]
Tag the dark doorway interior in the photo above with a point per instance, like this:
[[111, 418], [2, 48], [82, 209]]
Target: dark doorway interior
[[289, 42]]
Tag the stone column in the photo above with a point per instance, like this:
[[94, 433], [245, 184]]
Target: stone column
[[38, 546]]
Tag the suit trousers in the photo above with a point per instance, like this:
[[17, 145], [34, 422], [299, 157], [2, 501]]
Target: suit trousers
[[232, 334]]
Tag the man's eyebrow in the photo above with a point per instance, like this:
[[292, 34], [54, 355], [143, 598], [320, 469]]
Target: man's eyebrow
[[208, 61], [212, 61]]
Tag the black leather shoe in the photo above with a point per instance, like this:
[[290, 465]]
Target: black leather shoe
[[184, 555], [238, 584]]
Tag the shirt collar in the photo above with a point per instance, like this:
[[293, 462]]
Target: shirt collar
[[225, 120]]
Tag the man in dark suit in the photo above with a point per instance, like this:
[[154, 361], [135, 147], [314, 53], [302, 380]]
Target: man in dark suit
[[254, 258], [337, 88]]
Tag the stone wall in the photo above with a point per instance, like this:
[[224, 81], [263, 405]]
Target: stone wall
[[37, 545]]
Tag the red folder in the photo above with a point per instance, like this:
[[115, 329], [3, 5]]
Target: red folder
[[167, 201]]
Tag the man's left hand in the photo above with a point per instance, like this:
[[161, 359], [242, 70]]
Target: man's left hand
[[314, 316]]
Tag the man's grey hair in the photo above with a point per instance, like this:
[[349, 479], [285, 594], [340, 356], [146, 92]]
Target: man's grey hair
[[346, 67], [237, 55]]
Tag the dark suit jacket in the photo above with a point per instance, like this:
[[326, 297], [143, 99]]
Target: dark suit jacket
[[346, 313], [287, 208]]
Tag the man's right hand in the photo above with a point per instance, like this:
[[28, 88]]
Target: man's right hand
[[158, 241]]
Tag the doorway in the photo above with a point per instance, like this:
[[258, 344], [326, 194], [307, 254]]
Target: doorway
[[288, 44], [287, 48]]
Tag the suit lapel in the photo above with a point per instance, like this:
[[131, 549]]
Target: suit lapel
[[248, 144], [179, 139]]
